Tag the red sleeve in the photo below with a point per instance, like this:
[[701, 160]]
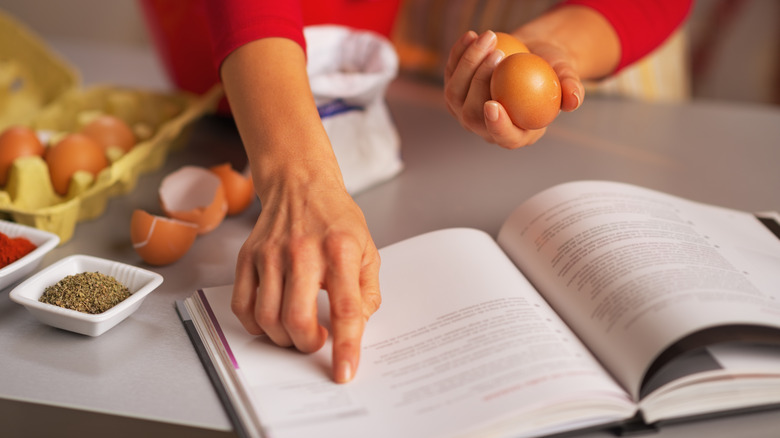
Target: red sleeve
[[193, 37], [233, 23], [641, 25]]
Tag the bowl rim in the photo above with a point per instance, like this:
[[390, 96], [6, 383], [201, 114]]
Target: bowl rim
[[44, 240], [21, 295]]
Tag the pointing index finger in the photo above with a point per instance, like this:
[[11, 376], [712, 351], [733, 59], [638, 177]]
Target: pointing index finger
[[346, 312]]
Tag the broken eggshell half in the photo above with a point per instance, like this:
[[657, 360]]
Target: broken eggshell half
[[194, 194], [239, 189], [160, 240]]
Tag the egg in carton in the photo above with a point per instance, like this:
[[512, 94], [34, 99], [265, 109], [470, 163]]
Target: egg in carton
[[53, 105]]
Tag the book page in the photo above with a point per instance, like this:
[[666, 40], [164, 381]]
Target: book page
[[632, 270], [462, 344], [755, 366]]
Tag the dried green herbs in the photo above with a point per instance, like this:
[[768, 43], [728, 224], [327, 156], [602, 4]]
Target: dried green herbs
[[88, 292]]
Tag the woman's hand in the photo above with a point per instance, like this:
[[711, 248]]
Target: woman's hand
[[467, 87], [310, 236]]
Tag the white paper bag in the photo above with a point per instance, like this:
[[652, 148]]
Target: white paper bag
[[349, 71]]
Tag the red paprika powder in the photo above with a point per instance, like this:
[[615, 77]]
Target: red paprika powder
[[12, 249]]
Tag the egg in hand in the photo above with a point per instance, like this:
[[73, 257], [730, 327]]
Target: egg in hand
[[509, 45], [526, 86]]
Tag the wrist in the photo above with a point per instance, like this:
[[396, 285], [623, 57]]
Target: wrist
[[293, 173], [583, 34]]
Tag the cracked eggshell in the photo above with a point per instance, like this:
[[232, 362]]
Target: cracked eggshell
[[194, 194], [239, 189], [160, 240]]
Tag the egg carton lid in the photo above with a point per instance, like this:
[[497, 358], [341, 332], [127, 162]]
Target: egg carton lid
[[32, 75]]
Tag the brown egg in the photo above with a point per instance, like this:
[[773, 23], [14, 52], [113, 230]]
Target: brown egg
[[239, 190], [15, 142], [509, 44], [110, 132], [73, 153], [194, 194], [528, 88], [160, 240]]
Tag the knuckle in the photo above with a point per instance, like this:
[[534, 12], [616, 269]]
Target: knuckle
[[472, 58], [244, 254], [451, 95], [346, 309], [240, 307], [302, 247], [449, 69], [298, 243], [295, 321], [472, 118], [265, 248], [372, 303], [260, 254], [346, 345], [482, 76], [266, 318], [339, 246]]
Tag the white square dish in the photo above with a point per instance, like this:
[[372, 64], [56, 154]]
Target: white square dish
[[139, 281], [45, 242]]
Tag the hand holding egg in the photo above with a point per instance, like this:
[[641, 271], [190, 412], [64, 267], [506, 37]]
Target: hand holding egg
[[525, 96]]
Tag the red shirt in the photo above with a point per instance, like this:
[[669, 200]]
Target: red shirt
[[641, 25], [194, 39], [237, 22]]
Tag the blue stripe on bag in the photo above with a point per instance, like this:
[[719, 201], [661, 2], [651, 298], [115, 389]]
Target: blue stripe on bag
[[335, 107]]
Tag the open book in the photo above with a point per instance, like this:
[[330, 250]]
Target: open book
[[599, 304]]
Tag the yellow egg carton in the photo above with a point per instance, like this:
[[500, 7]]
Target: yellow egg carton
[[39, 90]]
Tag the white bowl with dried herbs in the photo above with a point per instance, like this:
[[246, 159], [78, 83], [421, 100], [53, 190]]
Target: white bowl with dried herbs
[[85, 294]]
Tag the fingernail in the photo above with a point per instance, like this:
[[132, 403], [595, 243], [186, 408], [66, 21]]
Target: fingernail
[[486, 39], [576, 95], [495, 58], [343, 372], [491, 111]]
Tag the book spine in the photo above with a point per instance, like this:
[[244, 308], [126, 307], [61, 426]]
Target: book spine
[[200, 349]]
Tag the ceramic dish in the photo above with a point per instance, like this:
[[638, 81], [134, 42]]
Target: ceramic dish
[[140, 282], [45, 242]]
